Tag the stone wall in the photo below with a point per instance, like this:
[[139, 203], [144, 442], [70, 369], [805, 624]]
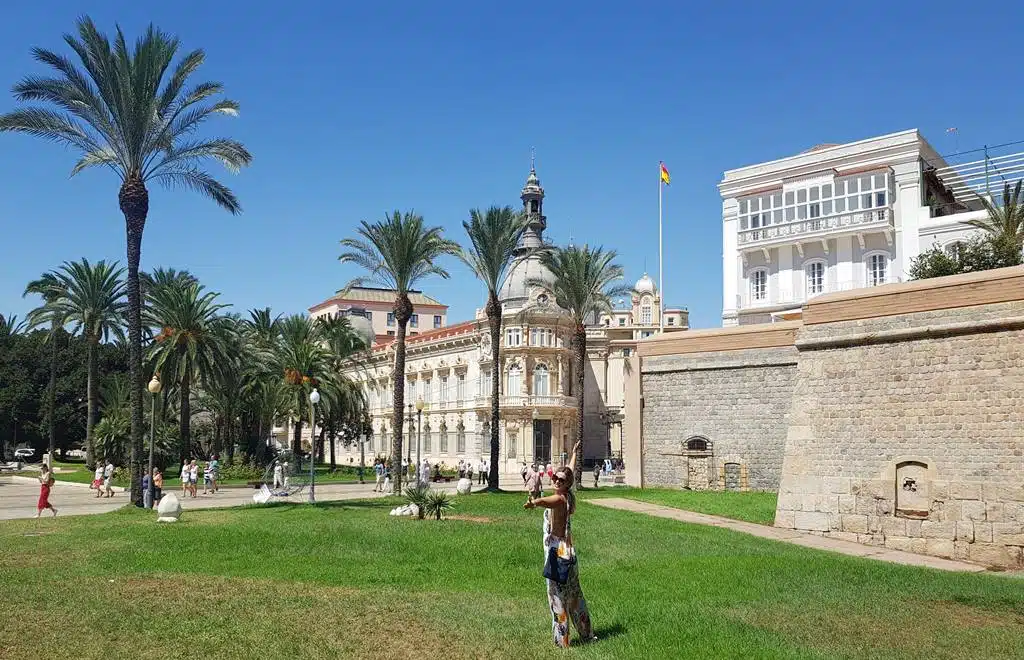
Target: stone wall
[[906, 424], [732, 404]]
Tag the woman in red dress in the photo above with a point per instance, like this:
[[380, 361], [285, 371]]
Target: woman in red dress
[[45, 482]]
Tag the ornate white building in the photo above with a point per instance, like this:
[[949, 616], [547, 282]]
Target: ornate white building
[[449, 369], [837, 217]]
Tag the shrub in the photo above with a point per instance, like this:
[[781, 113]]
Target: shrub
[[438, 501], [418, 495], [241, 471]]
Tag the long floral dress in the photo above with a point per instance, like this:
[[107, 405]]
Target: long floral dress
[[566, 600]]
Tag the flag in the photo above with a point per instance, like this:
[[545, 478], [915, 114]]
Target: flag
[[665, 178]]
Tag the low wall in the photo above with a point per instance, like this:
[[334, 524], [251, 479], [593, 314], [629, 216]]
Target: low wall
[[715, 405], [905, 429]]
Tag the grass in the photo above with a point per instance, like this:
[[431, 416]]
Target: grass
[[171, 478], [242, 583], [751, 506]]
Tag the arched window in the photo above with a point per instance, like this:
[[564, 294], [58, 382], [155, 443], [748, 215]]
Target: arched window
[[759, 285], [513, 381], [460, 438], [814, 277], [697, 444], [646, 312], [444, 437], [426, 438], [876, 268], [955, 249], [541, 378]]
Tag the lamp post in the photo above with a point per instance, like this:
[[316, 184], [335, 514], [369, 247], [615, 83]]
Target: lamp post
[[420, 405], [408, 446], [364, 434], [154, 389], [314, 398]]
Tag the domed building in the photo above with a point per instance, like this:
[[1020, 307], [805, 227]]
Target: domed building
[[449, 370]]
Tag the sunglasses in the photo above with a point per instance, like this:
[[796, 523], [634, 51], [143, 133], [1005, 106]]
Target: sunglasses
[[560, 477]]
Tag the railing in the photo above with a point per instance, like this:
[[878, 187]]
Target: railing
[[537, 401], [797, 228], [774, 298]]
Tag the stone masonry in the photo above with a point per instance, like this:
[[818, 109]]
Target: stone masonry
[[737, 401]]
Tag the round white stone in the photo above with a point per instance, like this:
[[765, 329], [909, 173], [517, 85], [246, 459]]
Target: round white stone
[[169, 509], [464, 486]]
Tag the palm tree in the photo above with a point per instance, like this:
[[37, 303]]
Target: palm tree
[[1005, 225], [122, 110], [494, 236], [91, 298], [398, 252], [191, 343], [48, 288], [10, 325], [343, 401], [303, 362], [583, 283]]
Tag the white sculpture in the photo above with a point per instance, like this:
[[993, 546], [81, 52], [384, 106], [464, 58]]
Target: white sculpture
[[263, 495], [169, 509], [464, 487], [405, 510]]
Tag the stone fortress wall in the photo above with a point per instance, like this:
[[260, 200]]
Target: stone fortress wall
[[892, 416]]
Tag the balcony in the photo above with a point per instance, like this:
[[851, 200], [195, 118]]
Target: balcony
[[537, 401], [774, 299], [814, 228]]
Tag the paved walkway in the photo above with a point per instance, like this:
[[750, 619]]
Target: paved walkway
[[787, 535]]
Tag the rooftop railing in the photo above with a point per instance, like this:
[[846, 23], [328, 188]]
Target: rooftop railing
[[814, 227]]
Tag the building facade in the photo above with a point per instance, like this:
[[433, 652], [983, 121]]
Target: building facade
[[449, 369], [376, 306], [834, 218]]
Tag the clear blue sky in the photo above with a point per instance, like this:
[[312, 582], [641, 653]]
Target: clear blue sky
[[353, 109]]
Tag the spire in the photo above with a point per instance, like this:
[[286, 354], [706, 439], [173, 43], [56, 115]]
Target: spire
[[532, 195]]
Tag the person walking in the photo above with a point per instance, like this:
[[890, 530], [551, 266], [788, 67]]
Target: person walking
[[193, 477], [597, 473], [213, 467], [481, 472], [45, 484], [278, 476], [387, 477], [97, 479], [533, 483], [523, 471], [208, 477], [469, 471], [108, 479], [184, 478], [566, 600], [158, 485]]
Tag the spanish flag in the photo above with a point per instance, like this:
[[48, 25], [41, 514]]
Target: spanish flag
[[665, 178]]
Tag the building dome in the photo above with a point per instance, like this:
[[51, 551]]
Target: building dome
[[644, 285], [515, 293]]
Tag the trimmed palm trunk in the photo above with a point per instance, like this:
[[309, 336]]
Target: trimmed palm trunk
[[297, 442], [134, 202], [403, 312], [494, 321], [334, 465], [185, 414], [51, 397], [91, 394], [579, 358]]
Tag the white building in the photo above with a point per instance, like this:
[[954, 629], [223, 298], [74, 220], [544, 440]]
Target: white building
[[837, 217]]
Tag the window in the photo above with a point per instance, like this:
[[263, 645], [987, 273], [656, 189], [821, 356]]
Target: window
[[510, 440], [513, 336], [626, 352], [646, 333], [671, 320], [460, 438], [426, 438], [622, 321], [645, 313], [391, 319], [863, 191], [512, 381], [444, 389], [759, 285], [444, 438], [414, 320], [877, 266], [391, 333], [534, 339], [954, 249], [460, 387], [437, 321], [428, 391], [540, 380], [815, 274], [697, 443], [413, 334]]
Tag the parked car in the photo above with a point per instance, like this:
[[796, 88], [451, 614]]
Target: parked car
[[24, 453]]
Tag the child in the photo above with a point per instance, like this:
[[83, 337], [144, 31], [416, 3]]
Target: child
[[97, 479], [45, 483]]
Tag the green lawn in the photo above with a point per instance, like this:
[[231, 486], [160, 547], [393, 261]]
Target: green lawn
[[244, 583], [171, 479], [752, 506]]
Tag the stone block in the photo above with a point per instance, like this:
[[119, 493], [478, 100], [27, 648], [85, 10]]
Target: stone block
[[1013, 512], [940, 548], [994, 511], [828, 503], [983, 532], [883, 507], [938, 530], [789, 501], [948, 510], [847, 503], [837, 485], [965, 531], [845, 536], [808, 502], [899, 543], [875, 524], [865, 505], [920, 546], [855, 523], [914, 528], [1003, 493], [939, 490], [871, 539], [1008, 533], [972, 510], [960, 550], [990, 554], [811, 520], [894, 527], [964, 490], [785, 519]]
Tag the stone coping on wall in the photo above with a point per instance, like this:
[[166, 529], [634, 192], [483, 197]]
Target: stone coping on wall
[[970, 289], [773, 356], [737, 338]]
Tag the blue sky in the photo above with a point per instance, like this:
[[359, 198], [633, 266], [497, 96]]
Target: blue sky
[[354, 109]]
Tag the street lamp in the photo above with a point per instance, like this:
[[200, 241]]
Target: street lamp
[[154, 388], [408, 445], [420, 405], [314, 398], [364, 432]]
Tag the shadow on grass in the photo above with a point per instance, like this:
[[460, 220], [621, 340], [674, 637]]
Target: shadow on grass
[[609, 631]]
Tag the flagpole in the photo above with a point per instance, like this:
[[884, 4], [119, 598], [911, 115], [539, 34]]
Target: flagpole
[[661, 269]]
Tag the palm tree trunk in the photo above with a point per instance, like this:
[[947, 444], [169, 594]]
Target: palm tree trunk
[[334, 466], [494, 320], [51, 396], [185, 414], [403, 311], [579, 365], [297, 443], [133, 199], [91, 393]]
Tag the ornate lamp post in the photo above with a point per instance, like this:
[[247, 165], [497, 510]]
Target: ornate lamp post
[[420, 405], [408, 446], [314, 398], [154, 388]]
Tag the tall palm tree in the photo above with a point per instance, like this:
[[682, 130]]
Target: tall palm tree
[[303, 361], [48, 288], [583, 283], [1004, 225], [191, 344], [134, 111], [92, 299], [398, 252], [494, 236]]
